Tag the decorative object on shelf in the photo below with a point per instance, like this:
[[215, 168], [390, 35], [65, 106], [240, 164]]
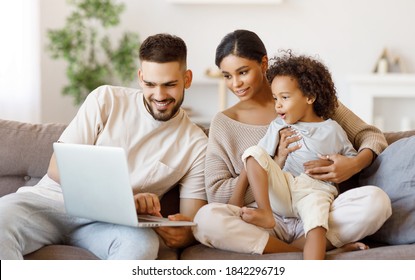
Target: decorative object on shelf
[[397, 65], [222, 92], [382, 64], [388, 64], [83, 43]]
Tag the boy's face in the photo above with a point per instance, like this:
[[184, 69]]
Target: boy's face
[[290, 102], [163, 86]]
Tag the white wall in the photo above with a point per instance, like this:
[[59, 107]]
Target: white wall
[[348, 35]]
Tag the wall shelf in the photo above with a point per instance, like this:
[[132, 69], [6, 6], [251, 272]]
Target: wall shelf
[[366, 89]]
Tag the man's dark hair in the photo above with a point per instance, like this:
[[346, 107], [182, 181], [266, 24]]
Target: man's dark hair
[[162, 48]]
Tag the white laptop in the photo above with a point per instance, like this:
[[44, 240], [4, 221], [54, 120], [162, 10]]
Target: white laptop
[[96, 185]]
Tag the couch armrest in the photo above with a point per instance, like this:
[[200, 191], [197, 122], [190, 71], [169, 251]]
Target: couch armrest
[[25, 151], [395, 136]]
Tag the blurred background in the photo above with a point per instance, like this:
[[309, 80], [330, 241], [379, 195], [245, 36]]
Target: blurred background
[[349, 36]]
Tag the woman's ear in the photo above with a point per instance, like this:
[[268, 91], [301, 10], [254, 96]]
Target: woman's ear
[[264, 64], [311, 99], [188, 76]]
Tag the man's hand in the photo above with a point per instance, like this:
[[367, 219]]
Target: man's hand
[[147, 203], [287, 137], [333, 168], [176, 237]]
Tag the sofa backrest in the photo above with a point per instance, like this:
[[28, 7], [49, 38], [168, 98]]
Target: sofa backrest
[[25, 151]]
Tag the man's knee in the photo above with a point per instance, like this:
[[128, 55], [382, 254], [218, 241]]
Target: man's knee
[[141, 245]]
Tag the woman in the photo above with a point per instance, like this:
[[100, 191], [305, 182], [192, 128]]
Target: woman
[[242, 58]]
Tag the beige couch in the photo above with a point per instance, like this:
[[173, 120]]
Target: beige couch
[[25, 150]]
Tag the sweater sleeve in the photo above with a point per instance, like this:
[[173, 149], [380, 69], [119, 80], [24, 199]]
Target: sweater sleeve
[[223, 164], [361, 134]]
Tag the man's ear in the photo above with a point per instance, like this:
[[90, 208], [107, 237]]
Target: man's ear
[[140, 77], [188, 76]]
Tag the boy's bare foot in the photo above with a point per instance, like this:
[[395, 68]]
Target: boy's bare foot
[[258, 217], [353, 246]]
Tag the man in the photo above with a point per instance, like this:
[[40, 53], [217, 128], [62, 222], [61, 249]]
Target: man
[[163, 148]]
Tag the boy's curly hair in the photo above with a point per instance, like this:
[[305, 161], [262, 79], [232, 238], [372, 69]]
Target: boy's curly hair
[[313, 78]]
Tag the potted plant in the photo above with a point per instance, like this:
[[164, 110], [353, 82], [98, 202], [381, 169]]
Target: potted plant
[[84, 43]]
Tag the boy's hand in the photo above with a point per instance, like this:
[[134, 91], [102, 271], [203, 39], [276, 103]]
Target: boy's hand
[[287, 137]]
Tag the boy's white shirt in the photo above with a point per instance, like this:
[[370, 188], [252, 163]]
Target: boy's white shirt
[[318, 138]]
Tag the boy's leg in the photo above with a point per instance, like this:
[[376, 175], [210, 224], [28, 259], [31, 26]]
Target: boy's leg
[[110, 241], [312, 200], [315, 245], [278, 181], [258, 180]]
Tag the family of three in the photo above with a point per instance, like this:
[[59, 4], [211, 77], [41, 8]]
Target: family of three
[[264, 181]]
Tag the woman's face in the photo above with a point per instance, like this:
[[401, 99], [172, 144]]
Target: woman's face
[[244, 77]]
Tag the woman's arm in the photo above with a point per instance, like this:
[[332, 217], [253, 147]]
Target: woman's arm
[[361, 134], [221, 171], [367, 139], [227, 142], [338, 168]]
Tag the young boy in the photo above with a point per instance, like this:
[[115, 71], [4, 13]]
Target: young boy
[[305, 99]]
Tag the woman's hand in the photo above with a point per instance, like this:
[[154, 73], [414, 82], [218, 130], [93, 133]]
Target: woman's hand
[[147, 203], [287, 137], [176, 237], [333, 168]]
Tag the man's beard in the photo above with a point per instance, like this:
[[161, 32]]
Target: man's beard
[[165, 115]]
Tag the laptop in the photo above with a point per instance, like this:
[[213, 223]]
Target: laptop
[[96, 185]]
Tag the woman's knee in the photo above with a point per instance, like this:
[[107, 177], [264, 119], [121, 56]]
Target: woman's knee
[[212, 223], [378, 206]]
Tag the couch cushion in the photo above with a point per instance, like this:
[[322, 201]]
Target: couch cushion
[[394, 172], [397, 252], [65, 252], [25, 151], [60, 252]]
